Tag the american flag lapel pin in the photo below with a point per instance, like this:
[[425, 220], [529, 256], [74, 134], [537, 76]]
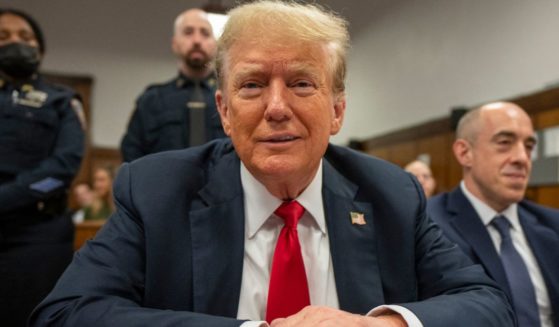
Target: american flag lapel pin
[[357, 218]]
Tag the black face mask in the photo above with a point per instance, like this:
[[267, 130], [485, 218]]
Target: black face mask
[[19, 60]]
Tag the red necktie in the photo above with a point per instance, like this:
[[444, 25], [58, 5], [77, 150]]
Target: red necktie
[[288, 292]]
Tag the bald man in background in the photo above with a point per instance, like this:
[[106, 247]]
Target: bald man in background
[[515, 240], [181, 112]]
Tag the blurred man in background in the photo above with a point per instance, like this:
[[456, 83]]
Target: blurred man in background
[[179, 113]]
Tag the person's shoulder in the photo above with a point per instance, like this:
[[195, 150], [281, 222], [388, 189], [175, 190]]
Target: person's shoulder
[[362, 165], [542, 212], [438, 200], [54, 90], [57, 97], [374, 178], [166, 86], [437, 207], [198, 157]]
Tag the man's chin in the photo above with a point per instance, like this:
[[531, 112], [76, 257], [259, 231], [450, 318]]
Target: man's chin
[[197, 64]]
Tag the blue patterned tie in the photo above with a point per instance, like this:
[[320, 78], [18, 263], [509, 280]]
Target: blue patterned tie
[[520, 284]]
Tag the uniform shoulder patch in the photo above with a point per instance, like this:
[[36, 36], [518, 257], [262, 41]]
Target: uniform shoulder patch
[[78, 109]]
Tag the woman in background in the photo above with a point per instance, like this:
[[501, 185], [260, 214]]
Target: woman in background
[[102, 206], [424, 175]]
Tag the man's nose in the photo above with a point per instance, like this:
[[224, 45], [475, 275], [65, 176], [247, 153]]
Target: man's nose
[[521, 153], [277, 105], [197, 37]]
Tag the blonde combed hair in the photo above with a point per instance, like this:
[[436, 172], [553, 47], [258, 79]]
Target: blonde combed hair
[[290, 21]]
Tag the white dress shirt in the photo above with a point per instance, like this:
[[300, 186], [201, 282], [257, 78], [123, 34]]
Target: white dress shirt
[[521, 244], [262, 228]]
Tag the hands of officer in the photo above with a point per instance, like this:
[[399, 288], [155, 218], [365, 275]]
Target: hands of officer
[[325, 316]]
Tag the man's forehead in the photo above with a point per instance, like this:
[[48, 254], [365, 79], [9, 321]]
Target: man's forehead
[[288, 64], [193, 20], [266, 52]]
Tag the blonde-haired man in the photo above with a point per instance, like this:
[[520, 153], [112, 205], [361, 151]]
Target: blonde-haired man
[[275, 224]]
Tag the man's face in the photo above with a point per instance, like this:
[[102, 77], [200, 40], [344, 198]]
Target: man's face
[[423, 174], [278, 107], [193, 40], [15, 29], [499, 160]]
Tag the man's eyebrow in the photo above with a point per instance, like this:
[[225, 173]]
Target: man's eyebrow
[[304, 68], [509, 134], [247, 70]]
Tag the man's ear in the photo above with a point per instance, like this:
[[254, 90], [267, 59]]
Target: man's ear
[[223, 111], [174, 45], [463, 152], [338, 114]]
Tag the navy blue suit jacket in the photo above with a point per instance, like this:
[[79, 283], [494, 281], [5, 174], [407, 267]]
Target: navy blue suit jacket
[[461, 223], [172, 254]]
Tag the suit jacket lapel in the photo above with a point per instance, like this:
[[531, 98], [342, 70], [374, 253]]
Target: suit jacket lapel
[[544, 244], [352, 246], [217, 224], [467, 223]]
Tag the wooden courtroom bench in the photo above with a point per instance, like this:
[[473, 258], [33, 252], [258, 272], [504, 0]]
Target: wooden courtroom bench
[[85, 231]]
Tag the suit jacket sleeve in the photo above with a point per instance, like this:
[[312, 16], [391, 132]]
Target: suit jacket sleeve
[[451, 290], [104, 285]]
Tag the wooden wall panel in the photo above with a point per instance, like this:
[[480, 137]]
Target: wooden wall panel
[[380, 152], [436, 137], [402, 153], [548, 196], [105, 157], [438, 148], [547, 119]]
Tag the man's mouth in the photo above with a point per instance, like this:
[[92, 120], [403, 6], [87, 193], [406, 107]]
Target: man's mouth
[[197, 53], [279, 139]]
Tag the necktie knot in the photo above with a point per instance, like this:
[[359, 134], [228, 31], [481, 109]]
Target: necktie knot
[[502, 224], [290, 212]]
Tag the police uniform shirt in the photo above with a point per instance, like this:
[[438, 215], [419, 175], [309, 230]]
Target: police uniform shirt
[[161, 120], [41, 143]]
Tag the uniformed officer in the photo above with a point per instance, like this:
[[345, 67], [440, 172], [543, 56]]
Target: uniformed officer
[[182, 112], [41, 147]]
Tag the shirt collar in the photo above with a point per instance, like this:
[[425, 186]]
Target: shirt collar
[[486, 213], [261, 204]]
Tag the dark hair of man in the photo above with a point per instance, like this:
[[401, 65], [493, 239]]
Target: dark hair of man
[[32, 22]]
